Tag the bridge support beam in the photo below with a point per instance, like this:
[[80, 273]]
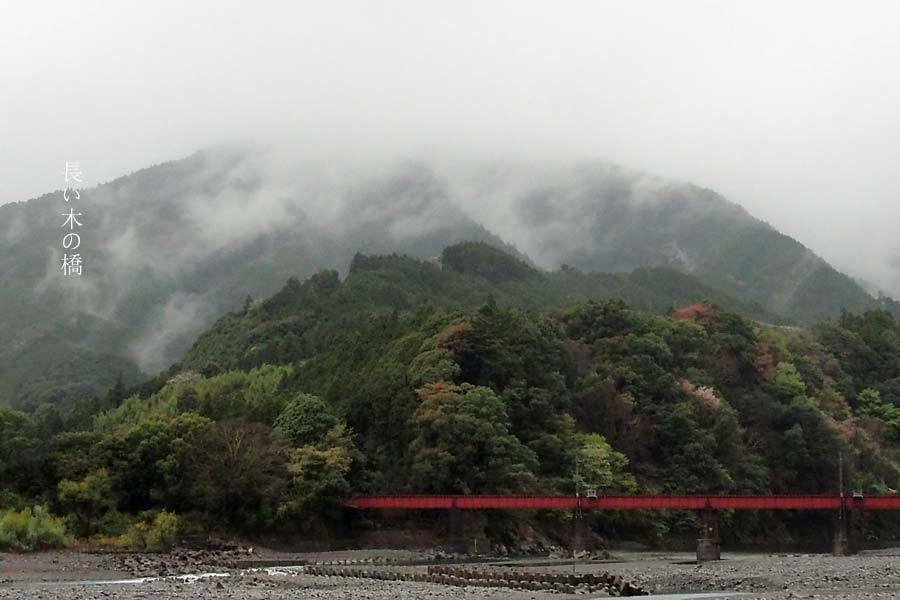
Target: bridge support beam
[[709, 545], [579, 533]]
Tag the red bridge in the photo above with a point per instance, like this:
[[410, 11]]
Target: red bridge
[[708, 544], [695, 502]]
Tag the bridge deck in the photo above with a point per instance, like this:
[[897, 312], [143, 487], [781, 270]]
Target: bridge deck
[[694, 502]]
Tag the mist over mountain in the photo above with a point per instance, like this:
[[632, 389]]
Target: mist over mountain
[[599, 216], [171, 248]]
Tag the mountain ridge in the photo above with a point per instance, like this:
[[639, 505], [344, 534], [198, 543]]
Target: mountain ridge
[[170, 248]]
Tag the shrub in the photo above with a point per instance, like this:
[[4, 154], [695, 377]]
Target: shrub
[[31, 529], [134, 538], [112, 523], [163, 532], [158, 535], [11, 500]]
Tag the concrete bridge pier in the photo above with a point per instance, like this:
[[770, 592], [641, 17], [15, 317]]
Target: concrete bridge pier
[[579, 533], [456, 532], [841, 543], [709, 544]]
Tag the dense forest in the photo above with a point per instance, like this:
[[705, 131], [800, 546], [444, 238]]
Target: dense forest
[[472, 373]]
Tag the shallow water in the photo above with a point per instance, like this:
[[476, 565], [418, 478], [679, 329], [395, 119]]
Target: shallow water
[[190, 578], [186, 578]]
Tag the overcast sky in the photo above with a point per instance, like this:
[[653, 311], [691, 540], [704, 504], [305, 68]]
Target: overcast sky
[[791, 109]]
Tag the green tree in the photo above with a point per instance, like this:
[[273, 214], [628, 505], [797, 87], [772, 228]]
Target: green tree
[[21, 452], [304, 420], [148, 460], [320, 472], [87, 499], [787, 383], [870, 404], [463, 443], [602, 468]]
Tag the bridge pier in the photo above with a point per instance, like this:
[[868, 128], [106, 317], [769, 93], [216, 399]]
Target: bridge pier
[[709, 545], [841, 543], [579, 533], [456, 532]]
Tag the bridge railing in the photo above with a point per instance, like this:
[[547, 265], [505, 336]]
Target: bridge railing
[[642, 502]]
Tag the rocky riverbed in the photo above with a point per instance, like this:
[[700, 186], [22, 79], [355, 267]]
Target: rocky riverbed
[[81, 576]]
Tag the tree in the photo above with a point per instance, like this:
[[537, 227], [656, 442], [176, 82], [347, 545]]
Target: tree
[[463, 443], [871, 404], [20, 450], [87, 499], [116, 393], [237, 474], [787, 383], [148, 460], [320, 472], [602, 468], [304, 420], [807, 457], [211, 369]]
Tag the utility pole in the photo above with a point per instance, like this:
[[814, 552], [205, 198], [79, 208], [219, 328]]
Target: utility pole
[[841, 541], [841, 482], [841, 514], [576, 475], [577, 518], [841, 475]]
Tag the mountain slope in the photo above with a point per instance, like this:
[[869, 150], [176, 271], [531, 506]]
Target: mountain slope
[[602, 217], [300, 320], [171, 248]]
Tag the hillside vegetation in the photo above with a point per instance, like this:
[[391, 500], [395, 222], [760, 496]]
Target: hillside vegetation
[[481, 375]]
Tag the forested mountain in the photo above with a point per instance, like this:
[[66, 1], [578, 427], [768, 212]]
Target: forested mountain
[[604, 217], [465, 276], [477, 374], [171, 248]]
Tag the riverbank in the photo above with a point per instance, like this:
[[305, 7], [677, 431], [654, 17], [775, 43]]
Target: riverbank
[[74, 575]]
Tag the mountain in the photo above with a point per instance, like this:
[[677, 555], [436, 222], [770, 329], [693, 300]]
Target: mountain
[[170, 248], [603, 217]]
